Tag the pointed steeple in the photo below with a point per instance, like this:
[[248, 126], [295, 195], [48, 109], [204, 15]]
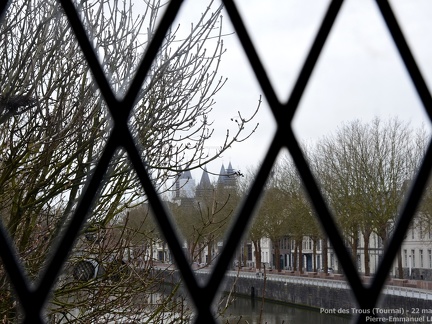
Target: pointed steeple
[[204, 187], [186, 175], [222, 174], [230, 171], [222, 170], [227, 177], [205, 179]]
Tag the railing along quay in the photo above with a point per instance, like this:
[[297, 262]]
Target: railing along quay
[[331, 283]]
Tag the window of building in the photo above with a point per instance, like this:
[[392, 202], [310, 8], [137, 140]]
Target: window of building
[[406, 258], [413, 258], [421, 258], [430, 259]]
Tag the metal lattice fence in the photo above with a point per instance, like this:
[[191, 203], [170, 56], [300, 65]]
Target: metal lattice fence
[[33, 298]]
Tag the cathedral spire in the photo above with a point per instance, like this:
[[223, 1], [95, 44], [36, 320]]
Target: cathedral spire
[[227, 177], [204, 187]]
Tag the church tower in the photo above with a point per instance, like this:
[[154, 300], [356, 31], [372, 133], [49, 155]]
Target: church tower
[[204, 188], [227, 177], [184, 186]]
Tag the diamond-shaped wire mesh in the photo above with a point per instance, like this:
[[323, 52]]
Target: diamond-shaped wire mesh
[[33, 298]]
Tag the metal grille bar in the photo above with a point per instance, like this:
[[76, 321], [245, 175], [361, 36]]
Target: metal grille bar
[[33, 298]]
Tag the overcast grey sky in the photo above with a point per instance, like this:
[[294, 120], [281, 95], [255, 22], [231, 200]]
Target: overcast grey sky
[[359, 74]]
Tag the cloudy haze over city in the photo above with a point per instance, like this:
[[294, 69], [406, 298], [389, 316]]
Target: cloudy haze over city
[[359, 74]]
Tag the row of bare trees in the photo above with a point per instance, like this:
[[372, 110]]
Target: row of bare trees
[[204, 221], [284, 212], [54, 125], [364, 170]]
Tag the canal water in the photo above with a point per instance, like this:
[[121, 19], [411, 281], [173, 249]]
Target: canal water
[[245, 310]]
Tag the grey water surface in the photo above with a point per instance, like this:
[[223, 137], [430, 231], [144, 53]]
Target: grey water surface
[[246, 310]]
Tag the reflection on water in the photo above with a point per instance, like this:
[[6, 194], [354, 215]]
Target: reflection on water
[[242, 310], [246, 310]]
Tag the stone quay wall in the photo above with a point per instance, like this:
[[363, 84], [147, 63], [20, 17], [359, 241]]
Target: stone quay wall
[[315, 296], [323, 294]]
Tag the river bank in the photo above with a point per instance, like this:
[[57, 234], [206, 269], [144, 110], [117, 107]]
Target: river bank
[[330, 296]]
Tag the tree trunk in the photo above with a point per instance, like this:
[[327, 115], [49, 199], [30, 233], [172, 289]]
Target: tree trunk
[[314, 255], [245, 253], [324, 255], [399, 263], [209, 251], [276, 250], [257, 254], [200, 250], [301, 256], [366, 236], [151, 251], [355, 247], [192, 251]]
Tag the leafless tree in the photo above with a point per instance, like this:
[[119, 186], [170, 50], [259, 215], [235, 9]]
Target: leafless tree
[[54, 122], [300, 217], [364, 168], [203, 219], [257, 230]]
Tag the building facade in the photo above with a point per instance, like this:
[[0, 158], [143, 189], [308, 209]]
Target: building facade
[[415, 254]]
